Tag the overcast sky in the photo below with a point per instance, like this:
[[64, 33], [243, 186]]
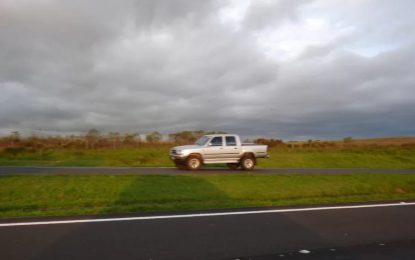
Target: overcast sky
[[283, 68]]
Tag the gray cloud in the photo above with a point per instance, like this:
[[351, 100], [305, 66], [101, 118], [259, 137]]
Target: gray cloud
[[263, 14], [294, 69]]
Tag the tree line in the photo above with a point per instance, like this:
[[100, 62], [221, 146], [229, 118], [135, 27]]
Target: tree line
[[93, 139]]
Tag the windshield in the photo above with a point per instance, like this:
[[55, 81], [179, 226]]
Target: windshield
[[202, 140]]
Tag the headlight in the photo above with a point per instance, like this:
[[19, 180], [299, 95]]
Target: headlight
[[179, 152]]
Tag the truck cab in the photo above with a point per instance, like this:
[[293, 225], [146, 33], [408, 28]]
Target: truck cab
[[218, 148]]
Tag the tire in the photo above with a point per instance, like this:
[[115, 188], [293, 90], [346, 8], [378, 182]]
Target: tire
[[248, 162], [233, 166], [193, 163]]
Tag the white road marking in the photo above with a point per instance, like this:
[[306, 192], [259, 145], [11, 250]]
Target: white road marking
[[198, 215]]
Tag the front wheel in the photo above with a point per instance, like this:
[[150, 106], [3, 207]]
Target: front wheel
[[248, 163], [193, 163]]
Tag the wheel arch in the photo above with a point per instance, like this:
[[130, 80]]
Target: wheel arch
[[197, 155], [246, 154]]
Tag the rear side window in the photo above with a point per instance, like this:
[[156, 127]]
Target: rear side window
[[216, 141], [230, 140]]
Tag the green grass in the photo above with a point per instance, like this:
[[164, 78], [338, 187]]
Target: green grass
[[27, 195], [363, 157], [145, 156]]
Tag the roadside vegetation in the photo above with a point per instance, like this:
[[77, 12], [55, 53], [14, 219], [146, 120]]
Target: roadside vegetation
[[148, 155], [26, 195], [114, 149]]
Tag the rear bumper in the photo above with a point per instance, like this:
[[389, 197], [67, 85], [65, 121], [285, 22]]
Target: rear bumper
[[265, 156]]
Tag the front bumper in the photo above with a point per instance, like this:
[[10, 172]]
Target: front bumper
[[177, 157]]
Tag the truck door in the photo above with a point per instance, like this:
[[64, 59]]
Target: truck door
[[231, 148], [214, 150]]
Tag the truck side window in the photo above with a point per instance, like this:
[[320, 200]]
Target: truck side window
[[216, 141], [230, 140]]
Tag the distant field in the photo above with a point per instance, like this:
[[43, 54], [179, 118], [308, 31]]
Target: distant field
[[379, 157], [145, 156], [97, 194], [385, 141], [317, 157]]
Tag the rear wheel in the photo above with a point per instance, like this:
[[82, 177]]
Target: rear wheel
[[233, 166], [248, 162], [193, 163]]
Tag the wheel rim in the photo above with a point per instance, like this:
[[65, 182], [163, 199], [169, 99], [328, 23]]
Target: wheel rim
[[248, 163], [194, 163]]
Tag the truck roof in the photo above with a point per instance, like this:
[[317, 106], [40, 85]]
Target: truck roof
[[210, 135]]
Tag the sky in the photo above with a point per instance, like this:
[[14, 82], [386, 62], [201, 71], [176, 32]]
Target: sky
[[291, 69]]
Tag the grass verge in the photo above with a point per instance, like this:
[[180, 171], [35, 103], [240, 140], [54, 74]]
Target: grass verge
[[104, 194], [355, 157]]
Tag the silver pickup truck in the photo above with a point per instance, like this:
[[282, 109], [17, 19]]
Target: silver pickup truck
[[218, 148]]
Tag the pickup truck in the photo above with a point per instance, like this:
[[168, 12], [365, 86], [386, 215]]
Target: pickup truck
[[218, 148]]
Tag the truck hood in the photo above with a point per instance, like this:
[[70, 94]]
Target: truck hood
[[183, 147]]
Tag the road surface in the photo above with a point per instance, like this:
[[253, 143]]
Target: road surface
[[11, 170], [363, 232]]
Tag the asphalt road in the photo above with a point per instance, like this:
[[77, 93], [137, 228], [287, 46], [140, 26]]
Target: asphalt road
[[353, 233], [12, 170]]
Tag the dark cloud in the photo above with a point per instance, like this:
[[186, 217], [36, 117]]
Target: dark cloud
[[290, 69]]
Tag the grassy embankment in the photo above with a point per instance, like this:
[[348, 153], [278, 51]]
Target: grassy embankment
[[95, 194], [331, 157]]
